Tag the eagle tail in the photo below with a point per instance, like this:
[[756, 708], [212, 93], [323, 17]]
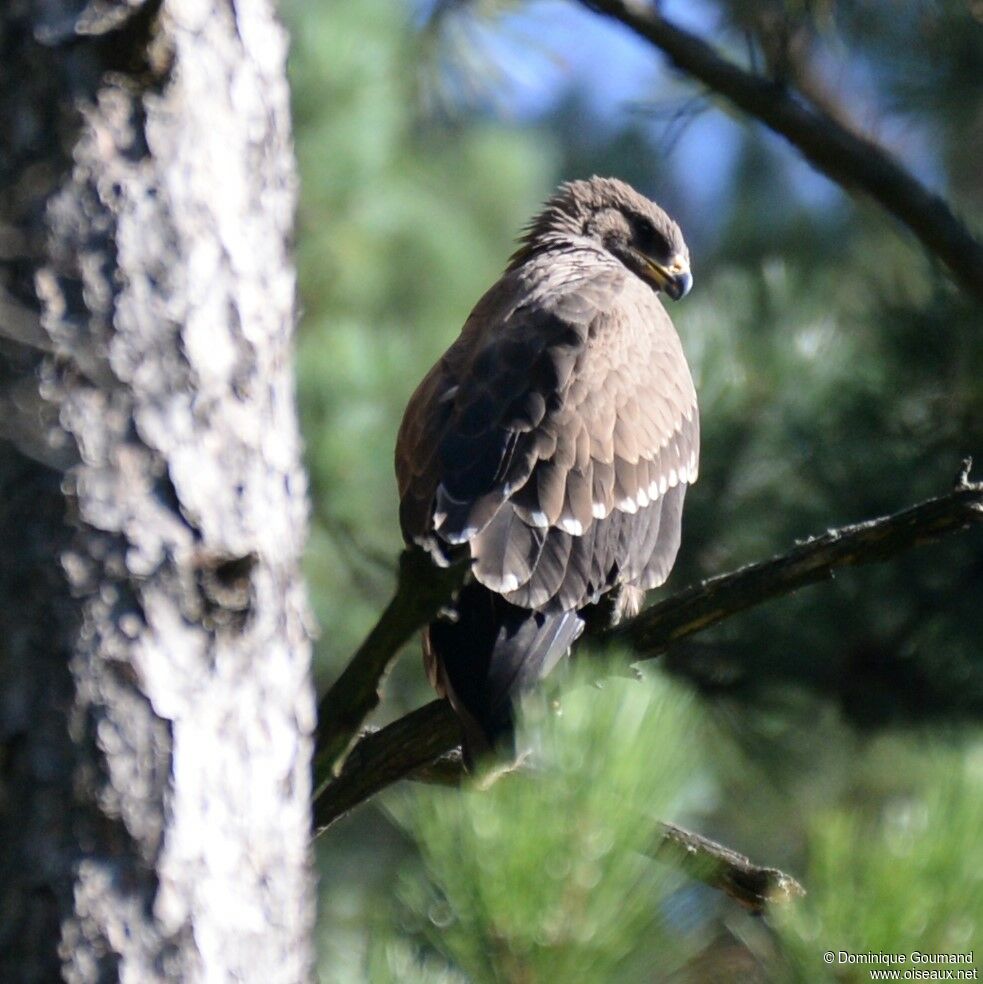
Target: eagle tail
[[487, 656]]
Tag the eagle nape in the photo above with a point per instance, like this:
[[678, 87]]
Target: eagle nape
[[553, 442]]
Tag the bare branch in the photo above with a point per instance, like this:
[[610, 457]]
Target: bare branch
[[376, 759], [415, 741], [844, 156], [697, 608], [422, 589], [380, 758], [724, 869]]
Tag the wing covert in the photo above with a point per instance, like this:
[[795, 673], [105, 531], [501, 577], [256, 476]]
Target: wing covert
[[556, 440]]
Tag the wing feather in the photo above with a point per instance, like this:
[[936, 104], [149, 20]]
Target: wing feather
[[556, 438]]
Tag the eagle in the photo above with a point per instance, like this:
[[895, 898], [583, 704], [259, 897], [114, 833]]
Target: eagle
[[552, 444]]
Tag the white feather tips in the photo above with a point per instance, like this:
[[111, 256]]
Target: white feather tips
[[509, 583]]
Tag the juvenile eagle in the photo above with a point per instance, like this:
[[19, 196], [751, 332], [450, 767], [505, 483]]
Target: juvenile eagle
[[553, 441]]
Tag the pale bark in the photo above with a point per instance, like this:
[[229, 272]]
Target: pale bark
[[155, 701]]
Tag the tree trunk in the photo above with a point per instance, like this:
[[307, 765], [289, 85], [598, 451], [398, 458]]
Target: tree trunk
[[155, 701]]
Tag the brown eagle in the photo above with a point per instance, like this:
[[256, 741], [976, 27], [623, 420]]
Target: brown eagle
[[553, 441]]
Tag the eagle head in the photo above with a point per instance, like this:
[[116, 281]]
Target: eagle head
[[625, 224]]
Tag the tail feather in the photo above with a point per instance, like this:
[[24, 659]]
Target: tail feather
[[490, 654]]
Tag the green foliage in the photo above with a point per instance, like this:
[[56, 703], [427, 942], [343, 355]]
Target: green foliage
[[840, 376], [548, 875], [401, 227], [899, 874]]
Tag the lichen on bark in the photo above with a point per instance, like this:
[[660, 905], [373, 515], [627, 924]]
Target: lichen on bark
[[173, 838]]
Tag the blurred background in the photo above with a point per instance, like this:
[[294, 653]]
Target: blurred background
[[834, 734]]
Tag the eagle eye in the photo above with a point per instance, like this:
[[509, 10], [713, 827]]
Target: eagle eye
[[650, 241]]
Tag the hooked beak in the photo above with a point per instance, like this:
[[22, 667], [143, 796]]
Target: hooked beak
[[675, 279]]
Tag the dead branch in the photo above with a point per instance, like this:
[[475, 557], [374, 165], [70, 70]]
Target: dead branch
[[422, 744], [848, 158], [817, 559], [722, 868], [382, 757], [378, 759], [421, 591]]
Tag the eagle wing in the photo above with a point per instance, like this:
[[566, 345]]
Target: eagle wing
[[555, 438]]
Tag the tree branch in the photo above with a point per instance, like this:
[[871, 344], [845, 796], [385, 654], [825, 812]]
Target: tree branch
[[422, 589], [384, 756], [844, 156], [724, 869], [419, 740], [652, 631], [380, 757]]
